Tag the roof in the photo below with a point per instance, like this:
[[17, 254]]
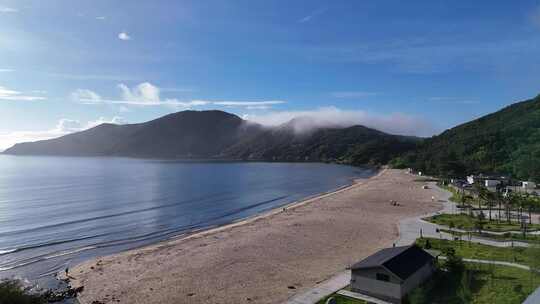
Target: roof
[[402, 261]]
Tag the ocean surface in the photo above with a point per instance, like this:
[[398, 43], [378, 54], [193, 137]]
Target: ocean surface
[[56, 212]]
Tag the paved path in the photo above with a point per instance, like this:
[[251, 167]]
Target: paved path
[[409, 229], [322, 290], [509, 264], [359, 296], [534, 298]]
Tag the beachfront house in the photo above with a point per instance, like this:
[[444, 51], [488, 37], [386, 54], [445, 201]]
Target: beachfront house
[[391, 273]]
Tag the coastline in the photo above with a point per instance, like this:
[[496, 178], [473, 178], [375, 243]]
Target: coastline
[[119, 277]]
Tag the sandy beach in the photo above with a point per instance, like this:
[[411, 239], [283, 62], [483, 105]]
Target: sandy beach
[[266, 259]]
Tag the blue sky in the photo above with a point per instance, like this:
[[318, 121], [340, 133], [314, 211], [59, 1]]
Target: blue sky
[[415, 67]]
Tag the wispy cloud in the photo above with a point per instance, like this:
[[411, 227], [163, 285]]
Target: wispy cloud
[[63, 127], [534, 17], [5, 9], [101, 17], [94, 77], [353, 94], [147, 94], [426, 56], [312, 15], [394, 123], [86, 95], [124, 36], [6, 70], [452, 100], [12, 95], [247, 103]]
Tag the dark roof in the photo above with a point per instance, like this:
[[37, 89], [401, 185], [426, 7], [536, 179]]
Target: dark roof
[[401, 261]]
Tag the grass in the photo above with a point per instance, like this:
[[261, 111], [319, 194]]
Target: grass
[[469, 250], [342, 300], [11, 292], [467, 222], [505, 237], [487, 284], [456, 196]]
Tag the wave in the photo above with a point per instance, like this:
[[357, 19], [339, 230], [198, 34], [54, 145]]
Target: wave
[[6, 251], [160, 234]]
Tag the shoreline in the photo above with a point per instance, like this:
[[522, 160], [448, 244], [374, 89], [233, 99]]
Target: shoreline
[[249, 237], [268, 213]]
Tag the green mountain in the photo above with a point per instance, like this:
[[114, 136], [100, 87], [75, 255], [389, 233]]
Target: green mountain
[[221, 135], [355, 145], [507, 142]]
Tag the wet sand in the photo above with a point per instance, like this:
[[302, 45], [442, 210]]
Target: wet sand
[[265, 259]]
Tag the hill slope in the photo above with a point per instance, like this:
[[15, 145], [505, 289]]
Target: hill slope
[[216, 134], [507, 141], [180, 135], [353, 145]]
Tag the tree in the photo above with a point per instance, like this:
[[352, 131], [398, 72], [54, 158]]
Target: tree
[[479, 223], [464, 292]]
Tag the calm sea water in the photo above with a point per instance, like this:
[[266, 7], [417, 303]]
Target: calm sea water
[[56, 212]]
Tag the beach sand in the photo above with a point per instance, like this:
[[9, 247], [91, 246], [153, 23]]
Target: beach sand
[[266, 259]]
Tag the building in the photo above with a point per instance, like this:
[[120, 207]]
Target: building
[[490, 183], [528, 185], [392, 273]]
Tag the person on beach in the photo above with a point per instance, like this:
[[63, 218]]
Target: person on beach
[[67, 272]]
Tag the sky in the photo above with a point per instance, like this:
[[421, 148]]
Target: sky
[[414, 67]]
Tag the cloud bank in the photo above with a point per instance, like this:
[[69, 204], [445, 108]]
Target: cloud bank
[[396, 123]]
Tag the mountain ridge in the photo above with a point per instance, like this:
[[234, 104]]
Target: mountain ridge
[[221, 135]]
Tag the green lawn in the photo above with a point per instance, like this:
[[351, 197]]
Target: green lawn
[[505, 237], [468, 250], [484, 284], [342, 300], [466, 222]]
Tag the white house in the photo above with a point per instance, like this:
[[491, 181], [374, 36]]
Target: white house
[[391, 273]]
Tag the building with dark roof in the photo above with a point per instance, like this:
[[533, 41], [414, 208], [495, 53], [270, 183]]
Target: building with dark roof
[[391, 273]]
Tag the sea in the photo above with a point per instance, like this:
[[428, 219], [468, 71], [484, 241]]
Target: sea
[[56, 212]]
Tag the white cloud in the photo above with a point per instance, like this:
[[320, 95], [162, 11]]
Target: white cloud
[[63, 127], [101, 18], [147, 94], [87, 95], [247, 103], [6, 70], [124, 36], [396, 123], [5, 9], [12, 95], [353, 94], [312, 15], [144, 92]]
